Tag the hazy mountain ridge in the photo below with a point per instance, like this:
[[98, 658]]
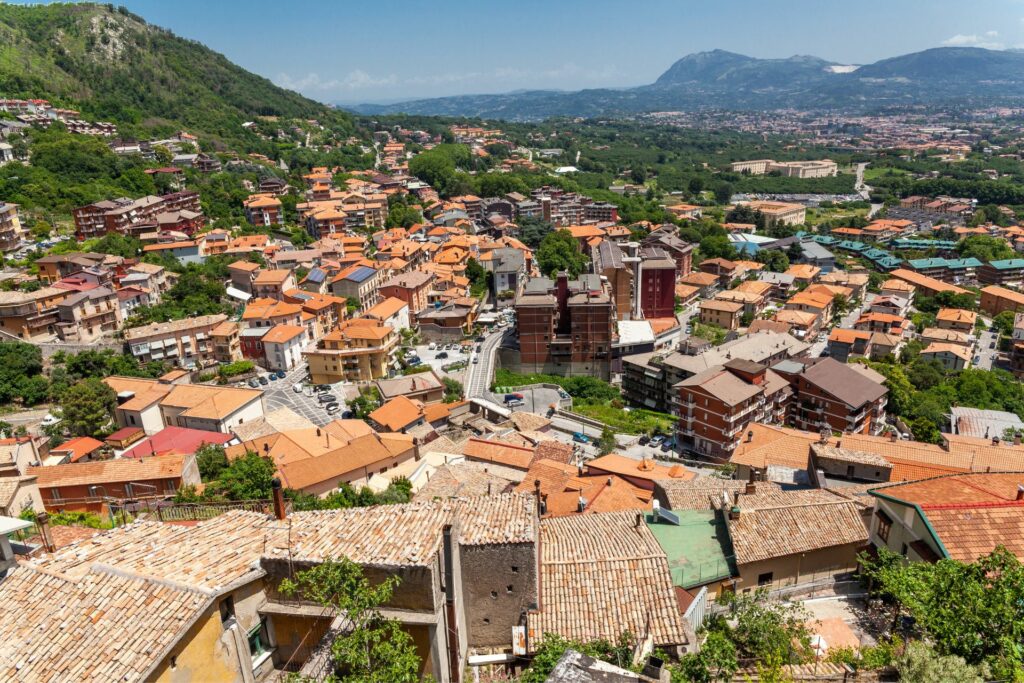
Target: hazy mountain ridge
[[728, 80]]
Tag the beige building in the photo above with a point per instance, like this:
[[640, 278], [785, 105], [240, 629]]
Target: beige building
[[11, 231], [32, 316], [793, 169], [154, 404], [780, 212], [725, 314], [187, 343], [227, 345], [84, 317], [272, 284], [358, 350]]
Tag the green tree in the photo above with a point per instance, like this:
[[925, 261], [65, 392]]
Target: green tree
[[716, 661], [559, 252], [717, 246], [606, 444], [764, 626], [723, 192], [553, 646], [246, 478], [532, 230], [87, 407], [453, 390], [985, 248], [920, 663], [375, 649], [364, 404], [1003, 323], [211, 460], [774, 260]]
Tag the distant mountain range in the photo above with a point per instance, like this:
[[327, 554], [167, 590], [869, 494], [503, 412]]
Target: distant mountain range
[[720, 79]]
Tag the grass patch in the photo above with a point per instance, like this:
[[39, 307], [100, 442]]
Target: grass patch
[[633, 421]]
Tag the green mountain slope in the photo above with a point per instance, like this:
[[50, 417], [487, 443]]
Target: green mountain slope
[[114, 66]]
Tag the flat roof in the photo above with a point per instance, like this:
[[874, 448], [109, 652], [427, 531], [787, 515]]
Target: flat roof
[[698, 549]]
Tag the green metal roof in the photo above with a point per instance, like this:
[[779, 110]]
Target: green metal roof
[[698, 549]]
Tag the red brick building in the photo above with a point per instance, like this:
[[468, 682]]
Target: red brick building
[[657, 283], [566, 327], [833, 395], [178, 209]]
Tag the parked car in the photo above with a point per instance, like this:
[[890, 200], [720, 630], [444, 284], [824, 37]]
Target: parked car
[[50, 420], [334, 404], [977, 359], [431, 346], [580, 437], [656, 440], [668, 445], [475, 361], [479, 347], [333, 408], [326, 398], [297, 388], [442, 355], [992, 345], [253, 383], [480, 338], [347, 415], [280, 374], [263, 380], [272, 377], [644, 440], [513, 397]]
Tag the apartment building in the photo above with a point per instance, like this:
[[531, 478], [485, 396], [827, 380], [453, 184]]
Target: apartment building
[[359, 350], [717, 405], [31, 316], [187, 343], [263, 210], [270, 312], [59, 266], [227, 346], [649, 379], [566, 326], [242, 274], [831, 395], [666, 237], [956, 319], [282, 347], [272, 284], [951, 357], [360, 284], [11, 231], [1003, 272], [412, 288], [928, 286], [125, 215], [995, 300], [724, 314], [85, 317], [153, 404]]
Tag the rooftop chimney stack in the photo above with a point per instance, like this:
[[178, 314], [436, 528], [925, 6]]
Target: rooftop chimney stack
[[750, 489], [1020, 491], [581, 504], [43, 524], [1016, 439], [892, 436], [278, 494]]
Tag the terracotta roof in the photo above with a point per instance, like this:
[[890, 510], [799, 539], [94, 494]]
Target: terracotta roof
[[398, 413], [102, 627], [78, 448], [467, 479], [637, 469], [702, 493], [794, 522], [207, 402], [109, 471], [386, 308], [483, 450], [553, 450], [968, 533], [279, 334], [957, 350], [957, 315], [601, 575]]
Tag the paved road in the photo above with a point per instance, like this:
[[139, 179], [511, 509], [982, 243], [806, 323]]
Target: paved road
[[479, 374], [987, 355], [847, 322]]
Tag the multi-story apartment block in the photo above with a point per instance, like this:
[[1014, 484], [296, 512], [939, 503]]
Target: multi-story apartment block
[[995, 300], [32, 316], [718, 404], [358, 350], [566, 326], [282, 346], [227, 347], [187, 343], [124, 215], [831, 395], [642, 279], [263, 210], [649, 379], [724, 314], [665, 237], [412, 288], [360, 284], [86, 316], [242, 274], [11, 231], [272, 284], [1004, 272], [780, 212]]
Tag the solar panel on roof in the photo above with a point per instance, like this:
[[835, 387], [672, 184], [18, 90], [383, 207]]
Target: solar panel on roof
[[361, 274]]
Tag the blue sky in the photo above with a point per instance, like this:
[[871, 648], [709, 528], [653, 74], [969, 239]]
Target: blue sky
[[385, 50]]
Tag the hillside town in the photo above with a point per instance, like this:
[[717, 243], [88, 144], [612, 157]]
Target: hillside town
[[550, 420]]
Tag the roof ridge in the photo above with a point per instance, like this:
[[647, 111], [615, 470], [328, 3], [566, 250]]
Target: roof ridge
[[979, 504]]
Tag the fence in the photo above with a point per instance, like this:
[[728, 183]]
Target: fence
[[698, 609], [191, 512]]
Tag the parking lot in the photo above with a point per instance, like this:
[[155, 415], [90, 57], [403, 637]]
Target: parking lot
[[281, 394], [453, 353]]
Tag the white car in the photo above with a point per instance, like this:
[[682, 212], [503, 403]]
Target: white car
[[50, 420]]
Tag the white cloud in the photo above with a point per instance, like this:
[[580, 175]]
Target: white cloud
[[986, 40]]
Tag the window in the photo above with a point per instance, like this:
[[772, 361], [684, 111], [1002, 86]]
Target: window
[[903, 550], [884, 525], [764, 579], [227, 609], [258, 641], [131, 419]]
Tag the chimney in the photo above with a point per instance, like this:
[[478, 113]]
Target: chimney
[[536, 495], [278, 493], [752, 476], [609, 481], [995, 440], [750, 435], [736, 497], [892, 436], [750, 489], [734, 512], [43, 524], [639, 519], [581, 504], [1020, 491], [1016, 439], [579, 469]]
